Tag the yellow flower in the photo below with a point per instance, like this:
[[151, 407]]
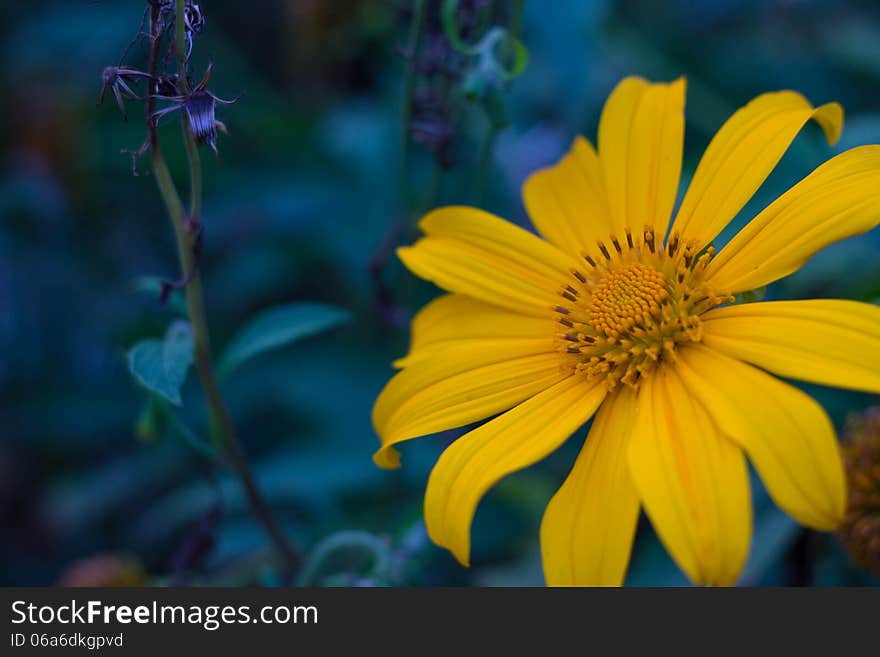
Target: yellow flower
[[607, 316]]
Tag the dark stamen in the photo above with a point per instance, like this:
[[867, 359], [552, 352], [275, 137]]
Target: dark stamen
[[649, 238]]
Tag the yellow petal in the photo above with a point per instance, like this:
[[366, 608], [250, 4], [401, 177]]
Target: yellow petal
[[515, 440], [830, 342], [641, 137], [458, 384], [692, 481], [455, 318], [839, 199], [475, 253], [588, 527], [785, 433], [742, 155], [567, 202]]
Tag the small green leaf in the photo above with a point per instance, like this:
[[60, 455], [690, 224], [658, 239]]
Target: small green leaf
[[278, 327], [161, 365]]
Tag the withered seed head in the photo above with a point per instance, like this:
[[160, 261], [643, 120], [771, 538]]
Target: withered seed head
[[114, 79], [195, 20], [199, 112], [860, 531], [199, 108]]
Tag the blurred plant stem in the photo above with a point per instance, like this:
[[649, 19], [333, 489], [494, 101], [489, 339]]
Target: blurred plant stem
[[413, 204], [484, 164], [409, 86], [515, 24], [187, 234], [192, 150]]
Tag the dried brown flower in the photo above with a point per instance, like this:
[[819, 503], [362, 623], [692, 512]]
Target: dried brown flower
[[860, 531]]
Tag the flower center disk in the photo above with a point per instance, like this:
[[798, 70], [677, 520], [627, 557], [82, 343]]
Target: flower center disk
[[631, 307], [625, 298]]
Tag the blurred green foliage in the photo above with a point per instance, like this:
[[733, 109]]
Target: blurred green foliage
[[298, 204]]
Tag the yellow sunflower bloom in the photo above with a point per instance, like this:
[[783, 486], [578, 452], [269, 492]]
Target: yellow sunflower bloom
[[606, 317]]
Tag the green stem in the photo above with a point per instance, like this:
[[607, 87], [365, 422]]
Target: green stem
[[180, 44], [409, 85], [514, 25], [222, 427], [195, 174], [484, 166]]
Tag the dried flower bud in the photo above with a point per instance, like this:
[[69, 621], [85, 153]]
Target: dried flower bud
[[199, 107], [195, 20], [114, 79], [199, 110], [860, 531]]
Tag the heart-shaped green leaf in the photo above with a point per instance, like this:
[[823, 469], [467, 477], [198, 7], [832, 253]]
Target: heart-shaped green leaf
[[161, 365]]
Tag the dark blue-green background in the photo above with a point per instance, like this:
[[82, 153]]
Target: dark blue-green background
[[302, 195]]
